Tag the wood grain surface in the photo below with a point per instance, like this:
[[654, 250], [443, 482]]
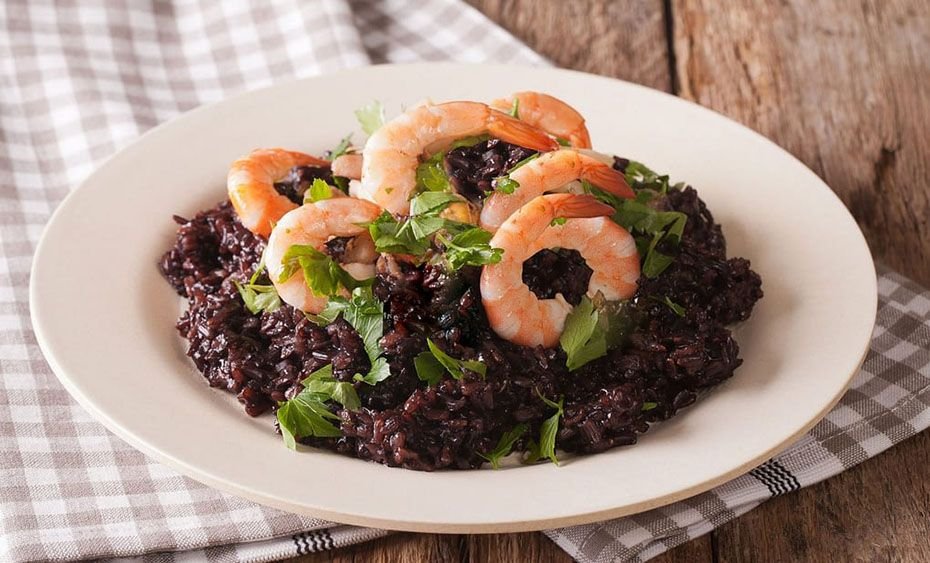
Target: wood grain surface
[[844, 85]]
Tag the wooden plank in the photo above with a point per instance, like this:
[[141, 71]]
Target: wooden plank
[[844, 86], [396, 548], [620, 39]]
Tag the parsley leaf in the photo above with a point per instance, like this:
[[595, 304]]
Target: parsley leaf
[[258, 297], [563, 142], [506, 185], [319, 190], [470, 248], [431, 175], [366, 315], [410, 236], [649, 405], [306, 414], [370, 117], [504, 445], [641, 177], [321, 382], [515, 108], [323, 275], [675, 307], [341, 148], [558, 221], [431, 203], [583, 339], [427, 368], [650, 227], [549, 429]]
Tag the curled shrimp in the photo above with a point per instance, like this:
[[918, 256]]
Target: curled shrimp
[[314, 224], [392, 153], [547, 173], [250, 184], [513, 310], [549, 114], [348, 166]]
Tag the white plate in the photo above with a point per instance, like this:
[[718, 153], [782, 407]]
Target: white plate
[[105, 318]]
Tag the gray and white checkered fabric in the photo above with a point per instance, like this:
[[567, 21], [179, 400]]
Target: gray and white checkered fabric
[[79, 80]]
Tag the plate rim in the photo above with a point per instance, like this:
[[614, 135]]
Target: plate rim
[[236, 489]]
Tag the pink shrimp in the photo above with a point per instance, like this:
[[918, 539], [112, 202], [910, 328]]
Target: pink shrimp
[[549, 114], [392, 153], [513, 310], [348, 166], [314, 224], [250, 184], [547, 173]]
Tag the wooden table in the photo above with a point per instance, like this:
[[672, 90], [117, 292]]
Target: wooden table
[[844, 85]]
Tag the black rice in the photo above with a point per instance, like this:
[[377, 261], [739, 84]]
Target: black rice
[[666, 361]]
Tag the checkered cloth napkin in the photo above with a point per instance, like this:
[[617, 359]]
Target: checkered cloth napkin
[[79, 80]]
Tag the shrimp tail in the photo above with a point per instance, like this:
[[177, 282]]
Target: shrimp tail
[[609, 180], [517, 132], [574, 206]]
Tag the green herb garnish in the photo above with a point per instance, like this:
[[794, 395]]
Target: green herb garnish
[[411, 235], [258, 297], [675, 307], [563, 142], [318, 191], [370, 117], [504, 445], [651, 228], [515, 108], [366, 315], [558, 221], [649, 405], [431, 364], [583, 339], [470, 248], [307, 414], [506, 185], [323, 275], [549, 429], [341, 148], [431, 176]]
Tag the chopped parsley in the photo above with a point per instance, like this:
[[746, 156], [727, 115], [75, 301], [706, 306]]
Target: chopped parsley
[[465, 244], [370, 117], [318, 191], [470, 248], [582, 339], [653, 230], [641, 177], [504, 445], [649, 405], [366, 315], [675, 307], [563, 142], [342, 148], [506, 185], [323, 275], [258, 297], [558, 221], [431, 175], [549, 429], [308, 415], [431, 365], [515, 108]]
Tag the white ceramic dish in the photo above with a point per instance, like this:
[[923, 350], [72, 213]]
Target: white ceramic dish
[[105, 318]]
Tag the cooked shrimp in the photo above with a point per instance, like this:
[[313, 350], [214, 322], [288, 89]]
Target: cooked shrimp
[[314, 224], [348, 166], [549, 114], [250, 184], [513, 310], [547, 173], [392, 153]]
